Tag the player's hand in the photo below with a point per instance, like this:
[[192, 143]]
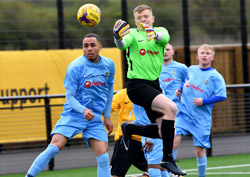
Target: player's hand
[[198, 101], [150, 32], [88, 114], [147, 147], [121, 29], [108, 124], [178, 92]]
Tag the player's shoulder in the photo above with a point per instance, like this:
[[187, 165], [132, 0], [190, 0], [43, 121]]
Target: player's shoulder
[[217, 73], [194, 67], [76, 62], [106, 59], [180, 64], [120, 94]]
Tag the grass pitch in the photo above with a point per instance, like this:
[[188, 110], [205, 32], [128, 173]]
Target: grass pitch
[[222, 166]]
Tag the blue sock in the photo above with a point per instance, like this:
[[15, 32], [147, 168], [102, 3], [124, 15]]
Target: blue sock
[[154, 172], [174, 153], [202, 165], [103, 165], [165, 173], [42, 160]]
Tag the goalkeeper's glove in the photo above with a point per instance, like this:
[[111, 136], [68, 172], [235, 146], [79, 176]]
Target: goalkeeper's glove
[[150, 32], [121, 29]]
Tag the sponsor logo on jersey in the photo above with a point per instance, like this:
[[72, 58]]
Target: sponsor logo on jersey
[[168, 80], [144, 52], [87, 84], [97, 83], [196, 88]]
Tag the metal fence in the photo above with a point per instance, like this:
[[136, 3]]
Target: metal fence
[[27, 128]]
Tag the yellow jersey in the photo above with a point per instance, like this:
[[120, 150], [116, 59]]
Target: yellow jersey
[[122, 103]]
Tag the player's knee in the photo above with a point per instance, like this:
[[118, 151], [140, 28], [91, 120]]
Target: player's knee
[[200, 152], [172, 108], [103, 159], [175, 145]]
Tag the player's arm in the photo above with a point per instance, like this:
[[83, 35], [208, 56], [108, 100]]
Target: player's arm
[[107, 112], [214, 99], [72, 101], [219, 92], [74, 104], [121, 29]]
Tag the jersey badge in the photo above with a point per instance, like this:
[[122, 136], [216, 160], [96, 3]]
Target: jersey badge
[[206, 82], [106, 74]]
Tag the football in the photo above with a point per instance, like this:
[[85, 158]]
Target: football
[[89, 15]]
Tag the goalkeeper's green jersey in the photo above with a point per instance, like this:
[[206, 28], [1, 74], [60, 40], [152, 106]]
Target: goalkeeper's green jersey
[[145, 57]]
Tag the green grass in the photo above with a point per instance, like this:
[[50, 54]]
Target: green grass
[[227, 166]]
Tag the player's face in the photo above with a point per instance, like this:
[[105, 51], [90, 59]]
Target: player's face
[[205, 57], [91, 49], [145, 17], [169, 52]]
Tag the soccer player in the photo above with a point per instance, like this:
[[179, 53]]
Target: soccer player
[[121, 159], [203, 87], [172, 76], [87, 76], [145, 46]]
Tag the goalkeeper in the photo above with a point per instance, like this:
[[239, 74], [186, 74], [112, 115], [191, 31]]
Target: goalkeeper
[[145, 46]]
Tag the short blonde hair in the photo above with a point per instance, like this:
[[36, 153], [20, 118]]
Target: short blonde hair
[[206, 47], [141, 8]]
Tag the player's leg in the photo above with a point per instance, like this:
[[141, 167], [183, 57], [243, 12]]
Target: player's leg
[[58, 141], [100, 149], [138, 156], [164, 105], [121, 159], [201, 134], [177, 142], [201, 161], [96, 137], [149, 95], [168, 108], [142, 93], [154, 158]]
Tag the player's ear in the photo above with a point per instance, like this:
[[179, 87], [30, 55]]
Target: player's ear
[[100, 47]]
